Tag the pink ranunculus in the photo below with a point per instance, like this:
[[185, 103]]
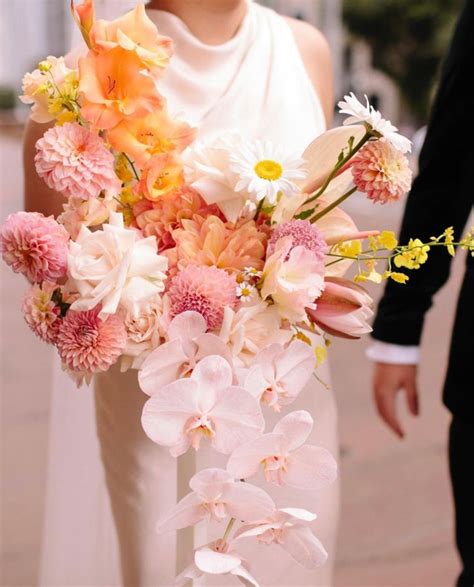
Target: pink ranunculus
[[205, 405], [343, 309], [41, 313], [206, 290], [35, 246], [216, 558], [91, 212], [381, 171], [285, 459], [88, 344], [289, 528], [217, 497], [74, 161], [188, 343], [303, 234], [278, 374]]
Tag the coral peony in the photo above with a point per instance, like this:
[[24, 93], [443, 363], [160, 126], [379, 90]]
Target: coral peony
[[302, 233], [210, 241], [381, 171], [113, 86], [35, 246], [87, 343], [75, 161], [162, 217], [41, 313], [162, 175], [206, 290], [143, 138]]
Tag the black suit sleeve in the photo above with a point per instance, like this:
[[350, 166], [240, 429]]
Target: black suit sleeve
[[442, 194]]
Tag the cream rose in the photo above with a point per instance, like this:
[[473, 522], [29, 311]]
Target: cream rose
[[115, 267]]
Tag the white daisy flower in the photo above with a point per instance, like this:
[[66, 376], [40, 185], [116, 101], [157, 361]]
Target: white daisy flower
[[252, 272], [264, 171], [245, 291], [359, 113]]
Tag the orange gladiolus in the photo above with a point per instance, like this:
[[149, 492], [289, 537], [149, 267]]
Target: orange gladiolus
[[84, 16], [134, 32], [143, 138], [113, 86], [163, 174]]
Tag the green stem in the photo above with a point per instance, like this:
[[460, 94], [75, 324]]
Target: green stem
[[259, 208], [334, 204], [135, 173], [338, 166], [228, 529]]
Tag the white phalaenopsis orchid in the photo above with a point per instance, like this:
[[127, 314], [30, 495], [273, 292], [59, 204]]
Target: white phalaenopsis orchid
[[284, 456], [216, 496], [205, 405], [358, 113]]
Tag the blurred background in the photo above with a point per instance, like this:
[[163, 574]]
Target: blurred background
[[396, 528]]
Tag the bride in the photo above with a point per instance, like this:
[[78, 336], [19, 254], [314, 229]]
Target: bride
[[237, 67]]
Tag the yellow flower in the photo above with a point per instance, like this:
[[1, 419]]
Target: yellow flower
[[449, 239], [467, 243], [371, 275], [122, 169], [413, 255], [128, 197], [398, 277], [387, 239], [66, 116], [321, 354], [301, 336], [349, 248]]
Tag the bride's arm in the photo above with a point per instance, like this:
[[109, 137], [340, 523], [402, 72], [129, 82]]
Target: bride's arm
[[38, 197], [316, 55]]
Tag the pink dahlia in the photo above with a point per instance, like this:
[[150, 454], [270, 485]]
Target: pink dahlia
[[207, 290], [302, 233], [35, 246], [75, 161], [87, 343], [381, 171], [41, 313]]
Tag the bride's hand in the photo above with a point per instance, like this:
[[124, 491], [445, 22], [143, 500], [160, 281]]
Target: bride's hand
[[388, 381]]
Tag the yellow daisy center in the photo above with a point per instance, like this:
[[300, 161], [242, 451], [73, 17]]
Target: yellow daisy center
[[268, 169]]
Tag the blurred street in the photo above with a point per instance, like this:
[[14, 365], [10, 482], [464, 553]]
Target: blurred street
[[396, 527]]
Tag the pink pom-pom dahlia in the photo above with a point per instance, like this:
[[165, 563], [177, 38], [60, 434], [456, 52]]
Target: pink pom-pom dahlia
[[35, 246], [41, 313], [302, 233], [381, 171], [88, 344], [206, 290], [75, 161]]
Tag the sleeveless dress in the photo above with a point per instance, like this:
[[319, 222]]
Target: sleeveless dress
[[255, 84]]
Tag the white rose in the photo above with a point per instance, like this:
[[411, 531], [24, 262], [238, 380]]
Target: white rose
[[115, 266]]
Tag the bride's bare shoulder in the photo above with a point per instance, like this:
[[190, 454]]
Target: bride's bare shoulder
[[316, 55]]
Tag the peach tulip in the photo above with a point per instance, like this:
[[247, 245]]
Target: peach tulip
[[134, 31], [112, 87], [216, 497], [156, 133], [284, 456], [205, 405], [343, 309], [162, 175]]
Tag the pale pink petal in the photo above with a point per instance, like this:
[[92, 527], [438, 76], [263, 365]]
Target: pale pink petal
[[244, 576], [298, 513], [302, 545], [165, 414], [295, 427], [190, 573], [266, 358], [210, 344], [186, 327], [162, 366], [252, 530], [209, 484], [214, 372], [310, 467], [246, 459], [255, 381], [185, 513], [295, 366], [237, 418], [246, 502], [215, 563]]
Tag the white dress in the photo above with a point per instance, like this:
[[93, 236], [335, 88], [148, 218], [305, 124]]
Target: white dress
[[255, 84]]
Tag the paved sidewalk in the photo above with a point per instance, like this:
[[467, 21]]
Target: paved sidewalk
[[396, 511]]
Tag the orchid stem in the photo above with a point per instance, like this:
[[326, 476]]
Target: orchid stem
[[228, 529]]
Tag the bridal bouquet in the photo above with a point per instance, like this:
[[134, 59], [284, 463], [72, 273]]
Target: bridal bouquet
[[210, 267]]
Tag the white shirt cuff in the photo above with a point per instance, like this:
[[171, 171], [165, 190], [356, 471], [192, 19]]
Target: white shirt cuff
[[393, 354]]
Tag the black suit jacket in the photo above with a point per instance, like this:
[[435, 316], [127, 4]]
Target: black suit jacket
[[442, 195]]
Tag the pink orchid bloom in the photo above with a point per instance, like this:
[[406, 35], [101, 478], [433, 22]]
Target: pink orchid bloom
[[278, 374], [289, 528], [216, 497], [205, 405], [343, 309], [188, 344], [216, 558], [286, 460]]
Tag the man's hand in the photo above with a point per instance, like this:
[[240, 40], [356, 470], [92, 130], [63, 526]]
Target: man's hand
[[388, 381]]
